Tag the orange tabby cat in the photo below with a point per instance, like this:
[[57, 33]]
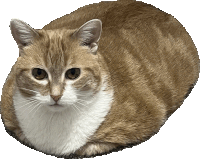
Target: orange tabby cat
[[105, 77]]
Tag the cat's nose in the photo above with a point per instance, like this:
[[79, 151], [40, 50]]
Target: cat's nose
[[55, 98]]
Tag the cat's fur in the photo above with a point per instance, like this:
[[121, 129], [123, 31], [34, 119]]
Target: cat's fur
[[134, 77]]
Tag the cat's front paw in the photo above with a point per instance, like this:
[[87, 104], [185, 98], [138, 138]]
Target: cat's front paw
[[92, 149]]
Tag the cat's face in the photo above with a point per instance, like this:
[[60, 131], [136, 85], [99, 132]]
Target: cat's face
[[56, 71]]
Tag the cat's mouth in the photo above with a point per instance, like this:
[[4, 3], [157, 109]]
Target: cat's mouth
[[55, 105]]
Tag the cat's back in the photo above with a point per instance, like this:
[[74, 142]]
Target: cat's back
[[146, 50], [111, 13]]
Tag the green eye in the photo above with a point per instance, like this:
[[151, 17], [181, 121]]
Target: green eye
[[72, 73], [39, 74]]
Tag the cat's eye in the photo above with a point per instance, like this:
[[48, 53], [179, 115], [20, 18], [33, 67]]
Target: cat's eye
[[39, 74], [72, 73]]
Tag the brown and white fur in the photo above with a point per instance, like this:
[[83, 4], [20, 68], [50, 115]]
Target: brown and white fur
[[137, 64]]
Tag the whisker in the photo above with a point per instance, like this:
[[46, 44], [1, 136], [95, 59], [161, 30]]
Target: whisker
[[32, 99], [78, 111], [65, 101], [28, 107], [81, 95], [82, 92], [28, 89], [73, 107], [42, 114], [33, 108], [83, 100], [80, 103], [37, 106], [92, 97], [83, 112], [22, 102], [84, 105], [28, 100], [90, 100], [31, 102], [86, 101]]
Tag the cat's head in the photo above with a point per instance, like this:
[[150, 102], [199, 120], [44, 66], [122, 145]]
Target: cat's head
[[58, 68]]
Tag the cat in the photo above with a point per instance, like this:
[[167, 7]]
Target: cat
[[105, 77]]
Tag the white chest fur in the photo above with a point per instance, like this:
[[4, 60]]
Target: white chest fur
[[62, 132]]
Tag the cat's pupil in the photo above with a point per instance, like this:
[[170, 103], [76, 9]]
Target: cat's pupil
[[39, 74], [39, 71], [73, 71]]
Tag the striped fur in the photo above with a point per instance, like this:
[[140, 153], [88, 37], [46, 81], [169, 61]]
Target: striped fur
[[146, 55]]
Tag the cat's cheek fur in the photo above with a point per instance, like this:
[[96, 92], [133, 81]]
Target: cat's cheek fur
[[43, 82], [69, 96]]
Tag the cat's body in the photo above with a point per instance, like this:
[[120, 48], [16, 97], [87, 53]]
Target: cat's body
[[140, 74]]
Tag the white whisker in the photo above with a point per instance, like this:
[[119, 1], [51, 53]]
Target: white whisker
[[33, 108], [31, 102], [42, 114], [74, 106], [29, 107], [82, 96], [83, 100], [83, 104], [28, 90], [82, 112], [80, 103], [37, 109], [82, 93], [28, 99], [36, 106]]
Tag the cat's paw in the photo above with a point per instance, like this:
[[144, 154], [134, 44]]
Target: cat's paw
[[91, 149]]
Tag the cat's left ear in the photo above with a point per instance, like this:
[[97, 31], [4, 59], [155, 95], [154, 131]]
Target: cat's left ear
[[89, 34], [22, 32]]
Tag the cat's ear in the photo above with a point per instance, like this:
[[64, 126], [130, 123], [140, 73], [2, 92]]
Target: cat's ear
[[89, 34], [22, 32]]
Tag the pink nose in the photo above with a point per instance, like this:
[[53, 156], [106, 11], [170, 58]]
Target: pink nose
[[56, 98]]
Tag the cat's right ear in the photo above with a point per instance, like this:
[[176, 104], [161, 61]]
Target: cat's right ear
[[22, 32], [89, 34]]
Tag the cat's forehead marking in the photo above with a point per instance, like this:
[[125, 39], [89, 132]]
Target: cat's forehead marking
[[55, 60], [54, 34]]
